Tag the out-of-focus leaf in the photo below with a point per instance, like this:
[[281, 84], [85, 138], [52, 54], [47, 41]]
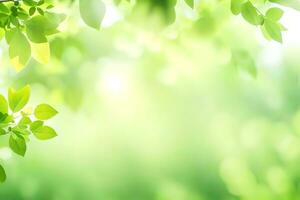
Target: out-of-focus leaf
[[190, 3], [2, 174], [236, 6], [251, 14], [41, 52], [274, 14], [19, 49], [273, 29], [92, 12]]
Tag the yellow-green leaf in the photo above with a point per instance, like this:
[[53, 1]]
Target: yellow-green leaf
[[44, 133], [251, 14], [41, 52], [3, 105], [236, 6], [19, 50], [190, 3], [35, 125], [18, 99], [274, 14], [273, 29], [44, 112]]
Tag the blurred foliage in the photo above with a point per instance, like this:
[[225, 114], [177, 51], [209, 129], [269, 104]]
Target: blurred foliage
[[196, 106]]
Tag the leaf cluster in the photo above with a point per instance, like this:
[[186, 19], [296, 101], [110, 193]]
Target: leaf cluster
[[18, 122], [269, 22], [26, 26]]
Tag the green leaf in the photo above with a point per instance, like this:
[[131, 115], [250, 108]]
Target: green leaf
[[190, 3], [5, 120], [265, 33], [35, 29], [24, 121], [17, 144], [35, 125], [2, 131], [19, 49], [44, 112], [9, 34], [20, 130], [44, 133], [41, 52], [236, 6], [50, 7], [92, 12], [38, 27], [30, 2], [40, 11], [54, 20], [41, 2], [274, 14], [250, 14], [3, 117], [18, 99], [2, 33], [23, 15], [3, 105], [4, 9], [273, 29], [2, 174], [32, 11]]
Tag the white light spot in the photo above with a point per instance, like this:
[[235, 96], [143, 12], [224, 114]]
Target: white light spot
[[111, 16], [5, 153]]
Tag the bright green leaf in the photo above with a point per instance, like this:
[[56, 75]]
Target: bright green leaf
[[18, 99], [35, 29], [41, 52], [20, 130], [2, 131], [19, 49], [44, 112], [24, 121], [274, 14], [273, 29], [251, 14], [35, 125], [3, 105], [17, 144], [44, 133], [236, 6]]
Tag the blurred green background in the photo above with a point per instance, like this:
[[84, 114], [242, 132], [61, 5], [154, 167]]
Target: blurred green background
[[201, 109]]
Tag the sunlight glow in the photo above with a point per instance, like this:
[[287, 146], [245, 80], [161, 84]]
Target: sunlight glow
[[114, 82], [5, 153]]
